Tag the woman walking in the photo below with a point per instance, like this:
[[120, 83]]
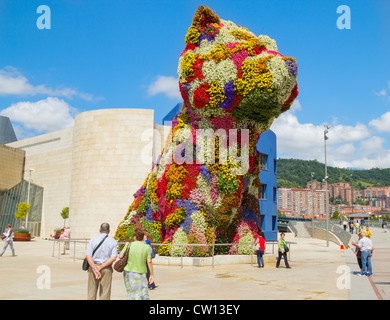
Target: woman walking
[[282, 251], [8, 237], [135, 270], [261, 241]]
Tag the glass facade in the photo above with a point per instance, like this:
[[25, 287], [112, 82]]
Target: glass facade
[[20, 193]]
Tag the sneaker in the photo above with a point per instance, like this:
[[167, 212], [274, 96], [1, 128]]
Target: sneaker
[[362, 275]]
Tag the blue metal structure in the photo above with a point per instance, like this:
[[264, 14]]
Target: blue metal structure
[[266, 146]]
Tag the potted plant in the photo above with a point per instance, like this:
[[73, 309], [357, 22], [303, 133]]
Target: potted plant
[[58, 233], [22, 235], [65, 214]]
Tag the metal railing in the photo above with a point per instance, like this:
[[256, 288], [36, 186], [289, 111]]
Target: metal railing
[[68, 244]]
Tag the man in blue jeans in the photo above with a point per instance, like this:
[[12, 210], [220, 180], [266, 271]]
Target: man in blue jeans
[[366, 248]]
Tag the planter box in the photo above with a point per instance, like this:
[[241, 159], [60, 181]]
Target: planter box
[[22, 236]]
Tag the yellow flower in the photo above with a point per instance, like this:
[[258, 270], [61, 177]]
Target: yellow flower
[[186, 65], [192, 35]]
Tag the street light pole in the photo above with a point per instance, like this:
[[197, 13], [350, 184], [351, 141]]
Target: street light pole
[[312, 200], [28, 193], [326, 186]]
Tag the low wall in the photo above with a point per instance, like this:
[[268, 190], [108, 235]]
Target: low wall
[[320, 233], [219, 260]]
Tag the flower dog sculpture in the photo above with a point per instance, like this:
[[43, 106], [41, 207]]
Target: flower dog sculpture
[[205, 186]]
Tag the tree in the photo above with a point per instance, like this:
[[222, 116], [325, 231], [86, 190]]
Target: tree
[[65, 214], [22, 211]]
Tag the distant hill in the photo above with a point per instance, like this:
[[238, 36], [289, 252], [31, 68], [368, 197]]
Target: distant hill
[[294, 173]]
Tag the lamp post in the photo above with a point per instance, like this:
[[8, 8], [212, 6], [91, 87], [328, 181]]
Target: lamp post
[[326, 186], [28, 192], [312, 200]]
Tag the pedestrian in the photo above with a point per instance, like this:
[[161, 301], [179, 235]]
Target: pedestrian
[[384, 225], [282, 246], [100, 262], [134, 273], [358, 254], [357, 226], [366, 247], [368, 232], [63, 237], [260, 240], [152, 285], [351, 225], [8, 237], [345, 223]]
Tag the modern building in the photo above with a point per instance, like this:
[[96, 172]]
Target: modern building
[[7, 133], [341, 191], [93, 167], [302, 202], [268, 179], [14, 189]]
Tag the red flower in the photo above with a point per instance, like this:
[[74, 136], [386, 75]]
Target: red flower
[[201, 96], [291, 98]]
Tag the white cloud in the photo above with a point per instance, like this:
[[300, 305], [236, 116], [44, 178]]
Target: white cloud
[[165, 85], [46, 115], [12, 82], [381, 93], [347, 146], [382, 124]]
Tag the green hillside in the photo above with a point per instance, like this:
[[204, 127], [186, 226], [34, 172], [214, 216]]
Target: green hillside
[[294, 173]]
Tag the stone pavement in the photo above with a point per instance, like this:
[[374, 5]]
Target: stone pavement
[[318, 273], [380, 280]]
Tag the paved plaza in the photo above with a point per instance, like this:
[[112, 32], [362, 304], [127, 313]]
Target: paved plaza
[[318, 273]]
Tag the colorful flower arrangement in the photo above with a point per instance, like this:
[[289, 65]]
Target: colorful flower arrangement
[[205, 186]]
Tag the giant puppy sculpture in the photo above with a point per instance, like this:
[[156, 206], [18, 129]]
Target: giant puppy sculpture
[[205, 187]]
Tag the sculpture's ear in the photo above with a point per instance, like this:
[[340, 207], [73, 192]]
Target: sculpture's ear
[[270, 43], [204, 16]]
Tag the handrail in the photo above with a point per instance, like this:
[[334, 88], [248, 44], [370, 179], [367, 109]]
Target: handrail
[[86, 241]]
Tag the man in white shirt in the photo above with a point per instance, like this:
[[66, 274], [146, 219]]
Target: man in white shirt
[[100, 271], [366, 248]]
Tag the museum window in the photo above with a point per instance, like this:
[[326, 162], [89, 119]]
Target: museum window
[[263, 189], [263, 161], [274, 195]]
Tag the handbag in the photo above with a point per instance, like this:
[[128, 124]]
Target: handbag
[[121, 263], [85, 266], [286, 248], [153, 252], [256, 247]]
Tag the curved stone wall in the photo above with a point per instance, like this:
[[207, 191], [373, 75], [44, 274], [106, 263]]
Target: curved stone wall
[[110, 162]]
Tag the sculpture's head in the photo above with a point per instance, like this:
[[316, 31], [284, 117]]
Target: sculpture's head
[[226, 69]]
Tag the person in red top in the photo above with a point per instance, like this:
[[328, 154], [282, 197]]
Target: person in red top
[[261, 241]]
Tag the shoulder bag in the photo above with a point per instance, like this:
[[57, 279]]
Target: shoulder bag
[[286, 248], [85, 262], [121, 263]]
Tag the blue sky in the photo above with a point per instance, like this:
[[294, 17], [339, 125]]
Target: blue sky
[[124, 54]]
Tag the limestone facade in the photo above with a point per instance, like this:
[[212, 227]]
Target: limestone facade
[[11, 167], [94, 167]]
